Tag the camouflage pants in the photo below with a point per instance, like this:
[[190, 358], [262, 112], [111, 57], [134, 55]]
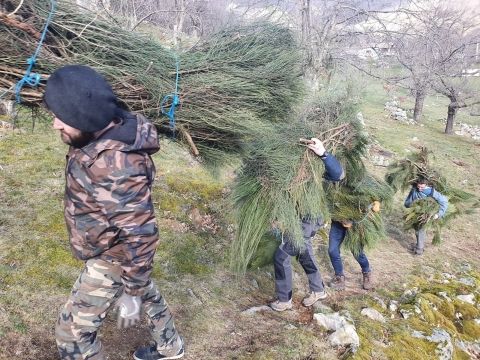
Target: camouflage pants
[[93, 295]]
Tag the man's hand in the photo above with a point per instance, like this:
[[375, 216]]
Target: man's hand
[[128, 310], [317, 147], [347, 224], [436, 217]]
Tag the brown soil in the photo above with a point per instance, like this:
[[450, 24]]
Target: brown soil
[[231, 335]]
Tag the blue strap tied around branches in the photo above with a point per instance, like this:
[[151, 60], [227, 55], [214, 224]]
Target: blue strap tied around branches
[[33, 79], [173, 100]]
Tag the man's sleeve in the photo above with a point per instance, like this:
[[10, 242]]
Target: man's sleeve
[[409, 199], [442, 202], [123, 192], [333, 169]]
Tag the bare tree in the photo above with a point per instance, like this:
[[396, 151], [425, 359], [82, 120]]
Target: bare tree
[[327, 33], [429, 40], [174, 17], [461, 94]]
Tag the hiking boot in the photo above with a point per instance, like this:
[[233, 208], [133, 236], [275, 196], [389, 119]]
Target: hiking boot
[[367, 280], [278, 305], [416, 251], [338, 282], [314, 297], [151, 353]]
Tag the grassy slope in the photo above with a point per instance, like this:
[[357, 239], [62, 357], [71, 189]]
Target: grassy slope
[[37, 270]]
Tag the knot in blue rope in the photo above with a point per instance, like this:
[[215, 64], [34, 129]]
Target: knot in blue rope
[[33, 79], [173, 100]]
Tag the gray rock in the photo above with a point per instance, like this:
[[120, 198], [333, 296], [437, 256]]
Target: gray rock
[[444, 348], [470, 298], [471, 348], [380, 302], [255, 309], [444, 295], [332, 321], [448, 276], [393, 305], [390, 104], [373, 314], [467, 281], [360, 118], [346, 335], [408, 295], [405, 313], [466, 267], [418, 334]]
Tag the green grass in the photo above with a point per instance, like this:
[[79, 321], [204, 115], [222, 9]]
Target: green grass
[[402, 138], [37, 269], [436, 312]]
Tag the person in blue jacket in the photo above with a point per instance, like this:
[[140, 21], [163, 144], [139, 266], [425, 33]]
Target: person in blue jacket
[[282, 257], [421, 190]]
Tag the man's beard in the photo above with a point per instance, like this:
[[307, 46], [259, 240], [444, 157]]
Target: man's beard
[[77, 141]]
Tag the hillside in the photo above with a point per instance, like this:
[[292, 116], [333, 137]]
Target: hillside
[[37, 269]]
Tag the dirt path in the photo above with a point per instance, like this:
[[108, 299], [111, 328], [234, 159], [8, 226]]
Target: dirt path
[[214, 327]]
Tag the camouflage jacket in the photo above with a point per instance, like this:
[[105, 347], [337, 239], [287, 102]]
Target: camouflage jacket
[[108, 206]]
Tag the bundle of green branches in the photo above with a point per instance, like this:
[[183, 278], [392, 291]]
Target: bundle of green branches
[[359, 206], [228, 85], [402, 175], [281, 181]]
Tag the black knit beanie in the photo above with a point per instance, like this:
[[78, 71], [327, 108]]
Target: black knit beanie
[[81, 98]]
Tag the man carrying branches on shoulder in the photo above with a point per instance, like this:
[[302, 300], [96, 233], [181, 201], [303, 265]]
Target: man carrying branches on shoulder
[[282, 257], [109, 215]]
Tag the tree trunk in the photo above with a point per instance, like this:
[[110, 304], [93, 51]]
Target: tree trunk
[[419, 99], [306, 31], [452, 111], [178, 26]]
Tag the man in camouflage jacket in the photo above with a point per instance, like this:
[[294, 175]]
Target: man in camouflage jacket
[[109, 215]]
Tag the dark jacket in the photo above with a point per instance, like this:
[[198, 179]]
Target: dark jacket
[[333, 168], [108, 206]]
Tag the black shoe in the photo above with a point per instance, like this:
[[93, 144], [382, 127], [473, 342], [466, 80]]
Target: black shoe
[[151, 353], [414, 250]]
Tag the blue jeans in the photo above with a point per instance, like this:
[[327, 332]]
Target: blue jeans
[[335, 239]]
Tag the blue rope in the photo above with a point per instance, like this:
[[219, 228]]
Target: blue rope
[[33, 79], [173, 100]]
